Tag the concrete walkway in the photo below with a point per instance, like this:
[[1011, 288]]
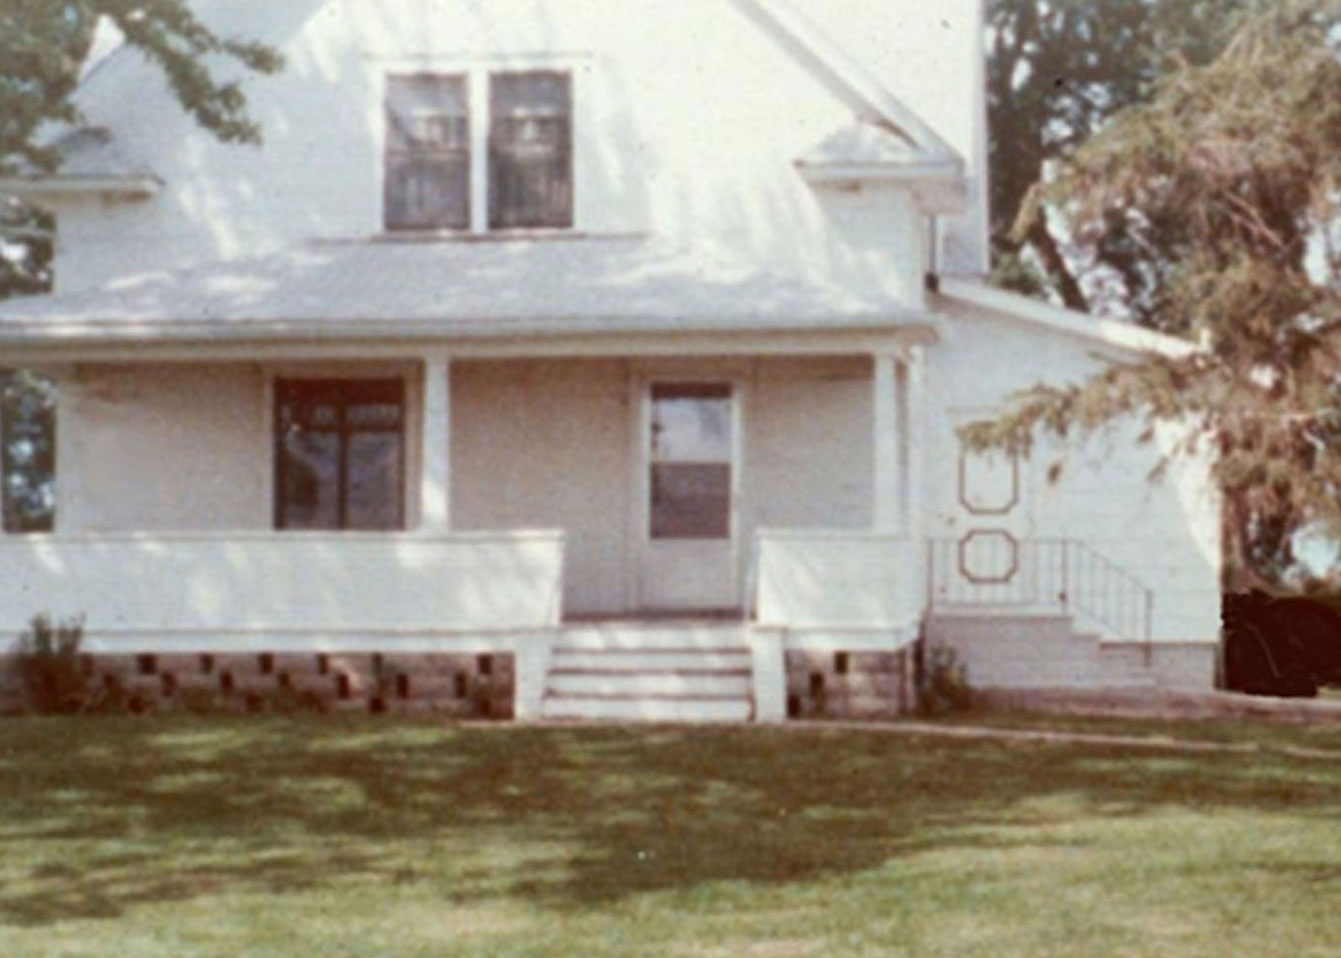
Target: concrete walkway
[[1050, 736]]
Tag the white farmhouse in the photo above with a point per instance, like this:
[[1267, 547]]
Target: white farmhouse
[[577, 358]]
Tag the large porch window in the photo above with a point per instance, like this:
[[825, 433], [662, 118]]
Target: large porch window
[[340, 454]]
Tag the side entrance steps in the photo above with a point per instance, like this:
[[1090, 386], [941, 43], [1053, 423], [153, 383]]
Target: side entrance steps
[[650, 672], [1037, 650]]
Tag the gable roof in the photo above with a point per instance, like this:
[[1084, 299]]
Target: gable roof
[[864, 152], [847, 79], [1127, 338], [912, 144], [408, 288]]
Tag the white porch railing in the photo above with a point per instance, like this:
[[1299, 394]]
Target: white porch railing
[[837, 579], [185, 588], [1063, 574]]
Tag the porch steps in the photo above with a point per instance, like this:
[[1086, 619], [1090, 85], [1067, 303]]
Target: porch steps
[[1036, 650], [650, 672]]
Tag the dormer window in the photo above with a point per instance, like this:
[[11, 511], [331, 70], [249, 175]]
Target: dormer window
[[524, 175], [427, 153]]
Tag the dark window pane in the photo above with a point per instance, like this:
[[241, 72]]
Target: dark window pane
[[428, 192], [310, 479], [427, 171], [374, 466], [530, 150], [691, 501]]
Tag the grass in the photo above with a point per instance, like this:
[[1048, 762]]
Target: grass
[[348, 836]]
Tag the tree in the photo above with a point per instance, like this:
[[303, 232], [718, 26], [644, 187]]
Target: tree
[[1226, 187], [43, 44], [1057, 71]]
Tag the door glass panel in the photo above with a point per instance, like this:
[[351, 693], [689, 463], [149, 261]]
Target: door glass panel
[[691, 452]]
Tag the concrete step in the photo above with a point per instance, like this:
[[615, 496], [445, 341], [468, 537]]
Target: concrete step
[[645, 709], [653, 636], [734, 684], [649, 660]]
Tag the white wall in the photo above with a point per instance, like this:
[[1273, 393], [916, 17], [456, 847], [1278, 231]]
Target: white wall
[[210, 590], [931, 56], [687, 127], [550, 444], [1166, 532], [161, 447]]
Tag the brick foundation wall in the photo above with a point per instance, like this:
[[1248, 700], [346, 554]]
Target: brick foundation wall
[[456, 685], [844, 685]]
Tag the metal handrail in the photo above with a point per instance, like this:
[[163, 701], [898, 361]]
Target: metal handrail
[[1063, 573]]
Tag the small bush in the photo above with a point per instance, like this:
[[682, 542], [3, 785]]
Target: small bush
[[49, 667], [944, 686]]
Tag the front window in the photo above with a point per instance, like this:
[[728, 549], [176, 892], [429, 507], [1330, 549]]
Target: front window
[[427, 153], [340, 454]]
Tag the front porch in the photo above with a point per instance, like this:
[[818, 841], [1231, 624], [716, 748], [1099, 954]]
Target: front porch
[[531, 496]]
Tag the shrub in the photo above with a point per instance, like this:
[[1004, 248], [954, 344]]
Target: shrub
[[943, 686], [49, 666]]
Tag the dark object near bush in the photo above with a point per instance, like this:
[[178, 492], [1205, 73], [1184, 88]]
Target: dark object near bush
[[1280, 646], [943, 683], [49, 666]]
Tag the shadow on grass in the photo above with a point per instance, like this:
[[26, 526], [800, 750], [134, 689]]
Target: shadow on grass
[[97, 816]]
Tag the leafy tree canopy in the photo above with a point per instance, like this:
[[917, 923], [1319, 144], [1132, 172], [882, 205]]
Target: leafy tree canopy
[[43, 44], [1057, 71], [1227, 188]]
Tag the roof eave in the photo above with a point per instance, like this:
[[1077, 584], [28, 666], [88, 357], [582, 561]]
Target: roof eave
[[130, 187], [939, 187], [1126, 338], [53, 332]]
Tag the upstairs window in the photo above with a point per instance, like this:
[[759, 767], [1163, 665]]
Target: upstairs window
[[427, 153], [530, 150]]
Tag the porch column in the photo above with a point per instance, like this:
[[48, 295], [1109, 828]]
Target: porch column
[[435, 444], [66, 520], [885, 492], [915, 418]]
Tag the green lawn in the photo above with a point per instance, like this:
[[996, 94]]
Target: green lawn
[[348, 836]]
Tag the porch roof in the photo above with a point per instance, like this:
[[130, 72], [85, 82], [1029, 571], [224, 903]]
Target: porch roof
[[392, 288]]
